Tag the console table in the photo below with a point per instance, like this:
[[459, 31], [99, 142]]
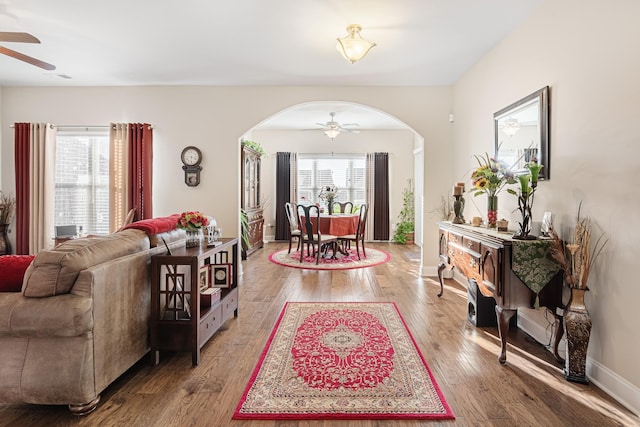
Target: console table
[[487, 258], [180, 321]]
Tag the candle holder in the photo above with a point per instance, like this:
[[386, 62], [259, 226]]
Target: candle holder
[[458, 209]]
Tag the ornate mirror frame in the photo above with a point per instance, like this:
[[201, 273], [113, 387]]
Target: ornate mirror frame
[[522, 132]]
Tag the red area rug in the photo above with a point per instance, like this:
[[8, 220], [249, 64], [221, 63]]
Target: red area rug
[[342, 262], [342, 361]]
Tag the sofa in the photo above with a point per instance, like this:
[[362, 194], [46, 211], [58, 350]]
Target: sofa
[[81, 318]]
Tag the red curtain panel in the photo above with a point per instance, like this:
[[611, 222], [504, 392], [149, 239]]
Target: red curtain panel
[[22, 152], [140, 170]]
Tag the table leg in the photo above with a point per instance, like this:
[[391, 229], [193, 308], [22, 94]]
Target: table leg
[[559, 332], [504, 316], [441, 268]]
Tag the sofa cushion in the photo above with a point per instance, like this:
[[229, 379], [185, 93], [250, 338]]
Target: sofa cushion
[[155, 225], [12, 268], [54, 271]]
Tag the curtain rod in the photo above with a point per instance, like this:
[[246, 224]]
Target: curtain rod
[[79, 126]]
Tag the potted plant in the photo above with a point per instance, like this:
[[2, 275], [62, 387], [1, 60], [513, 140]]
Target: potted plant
[[405, 227], [255, 146]]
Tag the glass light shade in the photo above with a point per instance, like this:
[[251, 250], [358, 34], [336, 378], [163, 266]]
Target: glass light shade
[[511, 127], [332, 133], [353, 47]]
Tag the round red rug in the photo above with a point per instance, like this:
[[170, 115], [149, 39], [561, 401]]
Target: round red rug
[[342, 262]]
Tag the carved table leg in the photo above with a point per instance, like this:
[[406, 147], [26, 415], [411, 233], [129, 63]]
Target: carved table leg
[[441, 268], [558, 336], [504, 316]]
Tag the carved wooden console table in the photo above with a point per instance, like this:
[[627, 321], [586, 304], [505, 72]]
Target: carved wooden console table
[[487, 257]]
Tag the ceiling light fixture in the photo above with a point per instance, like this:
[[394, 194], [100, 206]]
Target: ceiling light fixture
[[353, 47], [511, 126], [332, 132]]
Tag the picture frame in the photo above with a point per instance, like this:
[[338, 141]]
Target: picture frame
[[204, 278], [221, 276]]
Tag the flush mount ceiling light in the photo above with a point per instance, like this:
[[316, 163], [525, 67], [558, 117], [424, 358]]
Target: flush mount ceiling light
[[353, 47]]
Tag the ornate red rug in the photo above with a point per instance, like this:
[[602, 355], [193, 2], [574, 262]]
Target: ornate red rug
[[341, 262], [342, 361]]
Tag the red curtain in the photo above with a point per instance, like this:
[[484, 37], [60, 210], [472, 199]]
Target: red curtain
[[141, 169], [23, 172]]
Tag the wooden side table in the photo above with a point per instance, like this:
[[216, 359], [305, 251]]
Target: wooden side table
[[178, 321]]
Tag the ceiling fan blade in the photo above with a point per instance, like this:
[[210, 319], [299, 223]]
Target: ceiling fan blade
[[350, 124], [17, 37], [349, 130], [27, 59]]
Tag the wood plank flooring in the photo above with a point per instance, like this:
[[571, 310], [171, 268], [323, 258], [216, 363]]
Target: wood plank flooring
[[530, 390]]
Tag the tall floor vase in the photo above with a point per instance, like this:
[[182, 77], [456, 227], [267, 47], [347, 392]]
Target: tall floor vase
[[577, 324]]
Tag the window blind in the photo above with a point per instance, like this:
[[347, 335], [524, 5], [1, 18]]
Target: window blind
[[82, 180]]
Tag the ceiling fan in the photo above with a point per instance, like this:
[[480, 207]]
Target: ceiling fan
[[333, 128], [13, 37]]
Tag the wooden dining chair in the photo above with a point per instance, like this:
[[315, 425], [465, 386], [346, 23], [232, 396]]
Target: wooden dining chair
[[311, 235], [294, 225], [358, 237], [345, 207]]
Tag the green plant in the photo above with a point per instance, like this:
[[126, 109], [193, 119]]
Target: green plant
[[244, 227], [254, 145], [406, 217]]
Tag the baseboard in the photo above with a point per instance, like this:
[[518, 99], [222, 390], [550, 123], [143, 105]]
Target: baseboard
[[614, 385], [428, 271]]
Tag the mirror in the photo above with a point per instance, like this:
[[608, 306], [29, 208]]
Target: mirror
[[522, 132]]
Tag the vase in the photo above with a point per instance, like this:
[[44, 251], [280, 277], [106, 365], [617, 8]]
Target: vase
[[577, 324], [194, 238], [5, 244], [492, 211], [330, 206]]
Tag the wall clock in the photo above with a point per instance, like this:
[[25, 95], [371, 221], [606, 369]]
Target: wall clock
[[191, 157]]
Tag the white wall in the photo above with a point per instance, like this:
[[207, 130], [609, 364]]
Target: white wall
[[587, 52], [214, 119], [398, 143]]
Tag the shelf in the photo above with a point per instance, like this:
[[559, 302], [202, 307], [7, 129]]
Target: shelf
[[178, 322]]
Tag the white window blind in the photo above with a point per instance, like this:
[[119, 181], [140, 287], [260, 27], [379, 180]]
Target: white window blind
[[82, 180], [346, 172]]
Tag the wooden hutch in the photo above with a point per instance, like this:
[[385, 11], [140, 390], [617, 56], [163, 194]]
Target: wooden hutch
[[250, 200]]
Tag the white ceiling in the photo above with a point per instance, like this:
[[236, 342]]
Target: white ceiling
[[253, 42]]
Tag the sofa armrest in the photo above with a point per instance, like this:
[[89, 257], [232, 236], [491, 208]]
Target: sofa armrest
[[58, 316]]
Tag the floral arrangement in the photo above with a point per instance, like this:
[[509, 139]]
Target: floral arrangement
[[328, 193], [577, 257], [7, 208], [528, 185], [192, 220], [490, 176]]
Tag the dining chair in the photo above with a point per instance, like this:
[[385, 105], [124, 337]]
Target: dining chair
[[294, 225], [358, 237], [345, 207], [311, 235]]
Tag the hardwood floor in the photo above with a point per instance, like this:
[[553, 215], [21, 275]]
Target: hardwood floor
[[530, 390]]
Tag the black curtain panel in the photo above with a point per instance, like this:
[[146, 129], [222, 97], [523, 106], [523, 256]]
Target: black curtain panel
[[381, 197], [283, 193]]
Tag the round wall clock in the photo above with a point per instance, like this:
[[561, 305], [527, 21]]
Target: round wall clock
[[191, 156]]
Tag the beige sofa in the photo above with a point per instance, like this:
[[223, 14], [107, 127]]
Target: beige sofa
[[81, 320]]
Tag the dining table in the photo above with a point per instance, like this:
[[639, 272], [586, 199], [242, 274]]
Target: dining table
[[336, 224]]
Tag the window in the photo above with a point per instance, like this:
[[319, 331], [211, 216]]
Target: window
[[346, 172], [82, 180]]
